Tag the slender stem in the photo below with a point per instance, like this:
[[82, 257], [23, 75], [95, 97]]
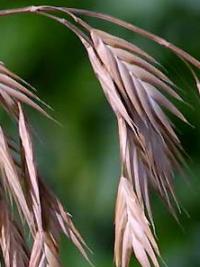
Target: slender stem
[[129, 26], [29, 9], [42, 10], [75, 18], [139, 31], [69, 25]]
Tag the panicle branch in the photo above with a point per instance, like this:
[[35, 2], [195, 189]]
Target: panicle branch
[[139, 92]]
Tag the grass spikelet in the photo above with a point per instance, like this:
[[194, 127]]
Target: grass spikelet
[[139, 93]]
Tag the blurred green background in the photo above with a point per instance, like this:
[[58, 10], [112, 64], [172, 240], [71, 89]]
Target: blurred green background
[[80, 160]]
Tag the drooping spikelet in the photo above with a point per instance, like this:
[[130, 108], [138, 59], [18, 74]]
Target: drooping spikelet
[[139, 93], [40, 209], [132, 230]]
